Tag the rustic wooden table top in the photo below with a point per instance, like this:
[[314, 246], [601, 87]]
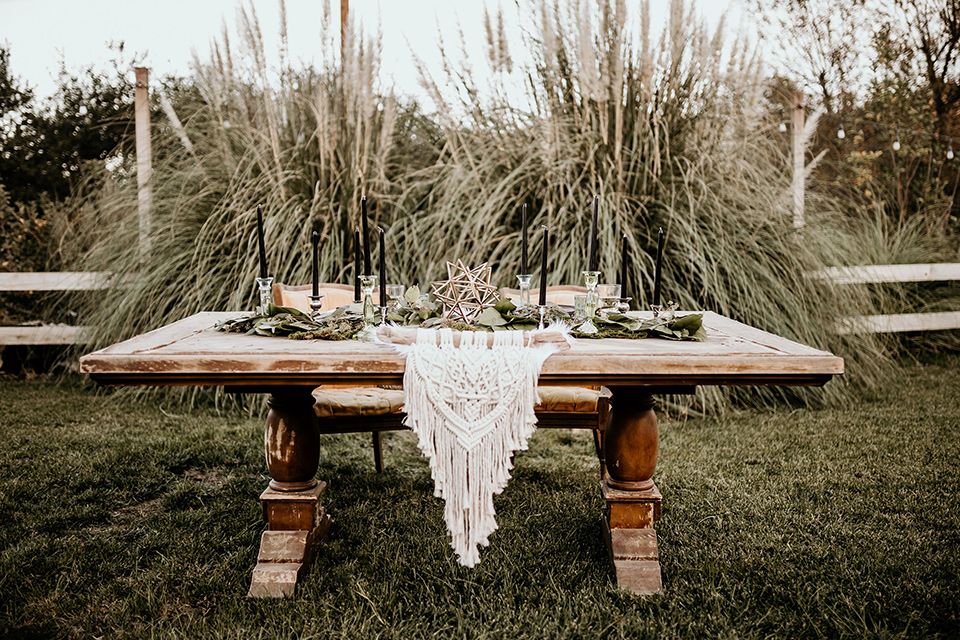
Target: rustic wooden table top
[[192, 352]]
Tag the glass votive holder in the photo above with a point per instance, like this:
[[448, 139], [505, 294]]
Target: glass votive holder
[[394, 294], [609, 295], [608, 290], [524, 281], [665, 312], [580, 306]]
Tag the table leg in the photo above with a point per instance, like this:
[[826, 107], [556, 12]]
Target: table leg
[[632, 500], [296, 521]]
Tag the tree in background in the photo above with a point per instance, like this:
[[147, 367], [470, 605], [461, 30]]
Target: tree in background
[[887, 74], [47, 150]]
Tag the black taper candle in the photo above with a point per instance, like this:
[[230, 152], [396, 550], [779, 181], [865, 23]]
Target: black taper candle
[[356, 265], [543, 266], [623, 266], [523, 249], [366, 237], [656, 273], [592, 264], [260, 243], [315, 242], [383, 269]]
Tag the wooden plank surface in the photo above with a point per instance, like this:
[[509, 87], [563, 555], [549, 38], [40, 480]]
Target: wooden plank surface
[[898, 323], [54, 281], [49, 334], [877, 273], [191, 351]]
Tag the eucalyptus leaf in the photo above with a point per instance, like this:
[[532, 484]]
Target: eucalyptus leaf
[[490, 317], [274, 309], [504, 305], [346, 322], [412, 294]]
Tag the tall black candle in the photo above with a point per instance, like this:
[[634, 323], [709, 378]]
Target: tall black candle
[[623, 266], [260, 243], [366, 237], [383, 269], [356, 265], [656, 273], [315, 241], [592, 265], [523, 250], [543, 265]]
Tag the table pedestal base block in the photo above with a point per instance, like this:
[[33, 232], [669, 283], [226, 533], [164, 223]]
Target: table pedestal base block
[[631, 539], [296, 522]]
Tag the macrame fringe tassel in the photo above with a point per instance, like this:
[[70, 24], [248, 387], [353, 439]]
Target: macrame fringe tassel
[[471, 407]]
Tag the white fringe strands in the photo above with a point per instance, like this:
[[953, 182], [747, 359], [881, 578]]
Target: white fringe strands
[[471, 407]]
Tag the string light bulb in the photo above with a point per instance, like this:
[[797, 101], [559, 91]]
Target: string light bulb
[[950, 149], [840, 132], [783, 125], [896, 141]]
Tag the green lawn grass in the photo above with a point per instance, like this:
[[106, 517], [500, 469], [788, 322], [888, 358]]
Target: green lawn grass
[[120, 519]]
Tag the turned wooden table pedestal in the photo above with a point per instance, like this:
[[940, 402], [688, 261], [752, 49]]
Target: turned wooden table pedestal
[[193, 352]]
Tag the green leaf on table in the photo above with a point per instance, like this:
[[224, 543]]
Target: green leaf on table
[[689, 327], [412, 294], [273, 310], [490, 317], [396, 316], [691, 323], [626, 322], [504, 305]]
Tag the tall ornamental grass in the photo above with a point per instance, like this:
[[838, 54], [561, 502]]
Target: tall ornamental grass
[[669, 130], [305, 144]]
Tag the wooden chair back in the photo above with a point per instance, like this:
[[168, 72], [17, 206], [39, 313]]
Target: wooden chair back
[[562, 294], [334, 295]]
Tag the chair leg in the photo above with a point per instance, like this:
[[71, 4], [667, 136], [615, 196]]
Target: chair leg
[[598, 443], [377, 452]]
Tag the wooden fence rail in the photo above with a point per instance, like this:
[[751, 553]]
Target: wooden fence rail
[[869, 274], [892, 273], [49, 334]]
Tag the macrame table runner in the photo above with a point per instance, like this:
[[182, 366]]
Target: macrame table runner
[[471, 407]]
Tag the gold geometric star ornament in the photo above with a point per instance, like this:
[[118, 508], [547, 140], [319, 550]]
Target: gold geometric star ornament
[[466, 291]]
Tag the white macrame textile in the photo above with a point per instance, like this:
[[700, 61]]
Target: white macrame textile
[[471, 407]]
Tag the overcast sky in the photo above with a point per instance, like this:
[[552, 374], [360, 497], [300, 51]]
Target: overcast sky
[[162, 33]]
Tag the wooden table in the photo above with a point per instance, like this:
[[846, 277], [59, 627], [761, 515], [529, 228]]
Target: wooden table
[[193, 352]]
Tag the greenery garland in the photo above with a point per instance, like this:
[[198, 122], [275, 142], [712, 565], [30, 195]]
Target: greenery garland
[[346, 322]]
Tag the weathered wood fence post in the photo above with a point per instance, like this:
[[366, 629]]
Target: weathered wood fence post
[[796, 136], [144, 158]]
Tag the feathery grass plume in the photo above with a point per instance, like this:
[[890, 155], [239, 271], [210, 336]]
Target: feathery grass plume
[[669, 134], [305, 143]]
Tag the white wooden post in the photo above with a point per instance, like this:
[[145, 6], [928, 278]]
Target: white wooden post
[[796, 137], [144, 157]]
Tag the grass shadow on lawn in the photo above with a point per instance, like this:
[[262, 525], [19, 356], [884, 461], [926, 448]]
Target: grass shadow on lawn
[[120, 520]]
